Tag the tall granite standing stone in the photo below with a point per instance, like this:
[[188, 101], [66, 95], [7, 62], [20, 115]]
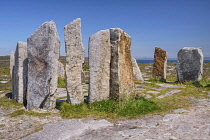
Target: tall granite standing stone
[[160, 63], [61, 70], [136, 71], [99, 66], [20, 73], [121, 71], [190, 64], [74, 61], [43, 54], [12, 62], [12, 69]]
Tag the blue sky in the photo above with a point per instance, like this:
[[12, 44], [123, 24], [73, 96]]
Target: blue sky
[[169, 24]]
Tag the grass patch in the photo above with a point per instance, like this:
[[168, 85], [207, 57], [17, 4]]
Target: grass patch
[[7, 103], [85, 68], [61, 82], [110, 109], [28, 113], [4, 71], [156, 80]]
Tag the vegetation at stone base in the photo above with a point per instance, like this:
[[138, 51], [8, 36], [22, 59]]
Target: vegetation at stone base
[[61, 82], [110, 109], [28, 113], [7, 103], [156, 80], [85, 68]]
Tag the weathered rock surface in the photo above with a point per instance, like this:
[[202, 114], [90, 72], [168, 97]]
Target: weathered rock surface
[[20, 73], [190, 64], [136, 71], [160, 63], [68, 129], [74, 60], [12, 62], [121, 73], [43, 54], [99, 66], [61, 70], [193, 124]]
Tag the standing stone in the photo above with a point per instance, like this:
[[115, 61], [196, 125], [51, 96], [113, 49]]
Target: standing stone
[[20, 73], [74, 60], [43, 54], [12, 62], [61, 70], [99, 66], [160, 63], [121, 72], [136, 71], [190, 64]]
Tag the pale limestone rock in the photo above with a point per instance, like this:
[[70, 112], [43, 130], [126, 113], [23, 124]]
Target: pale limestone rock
[[136, 71], [12, 62], [121, 74], [43, 54], [190, 64], [160, 63], [74, 61], [61, 70], [20, 73], [99, 66]]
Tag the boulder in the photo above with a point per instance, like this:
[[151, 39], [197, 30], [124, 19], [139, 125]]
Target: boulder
[[136, 71], [43, 54], [74, 60], [190, 64], [99, 66], [121, 71], [160, 63]]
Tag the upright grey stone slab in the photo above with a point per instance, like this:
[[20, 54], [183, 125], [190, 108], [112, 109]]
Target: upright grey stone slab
[[136, 71], [43, 54], [20, 73], [74, 60], [121, 72], [99, 66], [12, 62], [190, 64], [12, 69], [61, 70]]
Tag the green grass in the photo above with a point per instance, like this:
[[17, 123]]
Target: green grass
[[4, 71], [61, 82], [110, 109], [28, 113], [7, 103]]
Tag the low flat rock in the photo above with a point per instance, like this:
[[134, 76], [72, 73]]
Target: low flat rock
[[169, 93], [140, 88], [180, 110], [157, 88], [169, 86], [139, 85], [3, 82], [153, 92], [67, 129]]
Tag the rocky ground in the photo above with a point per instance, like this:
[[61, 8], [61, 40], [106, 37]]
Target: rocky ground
[[185, 124]]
